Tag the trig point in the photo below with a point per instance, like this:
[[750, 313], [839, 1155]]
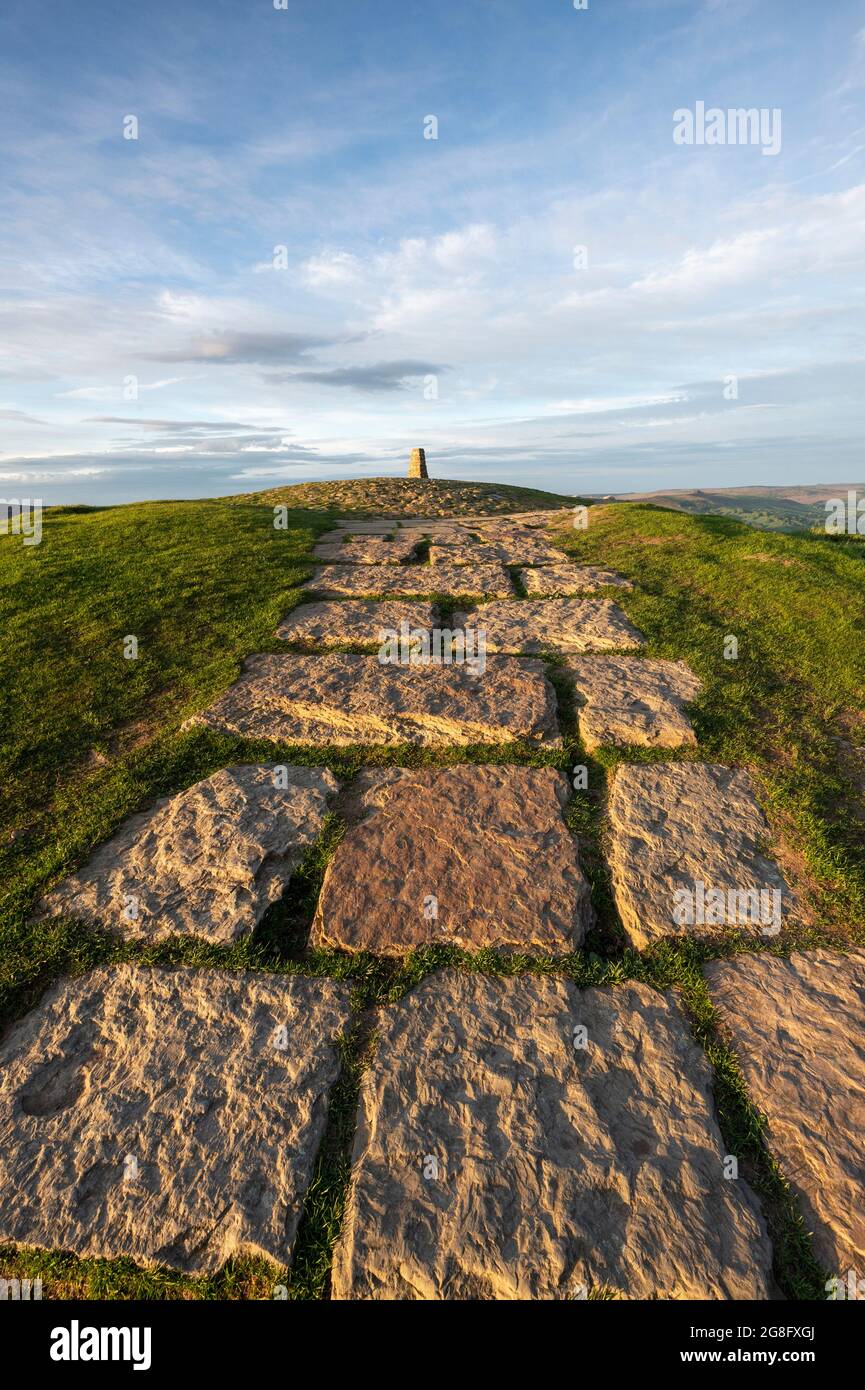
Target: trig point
[[417, 464]]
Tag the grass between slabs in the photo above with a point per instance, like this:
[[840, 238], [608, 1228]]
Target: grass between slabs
[[88, 738]]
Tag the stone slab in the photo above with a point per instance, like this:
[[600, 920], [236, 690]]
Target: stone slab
[[369, 550], [162, 1115], [371, 526], [564, 581], [675, 826], [559, 624], [495, 1160], [357, 621], [511, 550], [207, 862], [407, 581], [634, 700], [343, 698], [469, 856], [797, 1027]]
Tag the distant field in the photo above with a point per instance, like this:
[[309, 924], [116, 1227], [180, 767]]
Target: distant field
[[796, 508]]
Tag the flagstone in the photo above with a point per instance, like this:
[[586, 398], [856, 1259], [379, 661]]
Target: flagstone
[[343, 698], [370, 550], [510, 550], [565, 625], [206, 862], [523, 1139], [564, 580], [358, 621], [797, 1026], [453, 581], [469, 856], [634, 700], [171, 1117], [682, 833]]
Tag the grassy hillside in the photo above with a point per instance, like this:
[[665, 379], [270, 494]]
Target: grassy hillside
[[89, 737], [797, 508]]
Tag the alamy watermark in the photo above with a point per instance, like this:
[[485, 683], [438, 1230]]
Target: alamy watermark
[[420, 646], [20, 1290], [701, 905], [845, 516], [846, 1287], [21, 517], [736, 126]]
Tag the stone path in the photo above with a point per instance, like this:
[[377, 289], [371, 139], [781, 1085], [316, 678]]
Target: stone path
[[566, 581], [208, 862], [494, 1159], [171, 1116], [408, 581], [517, 1137], [681, 833], [342, 698], [369, 550], [633, 702], [797, 1027], [360, 622], [515, 550], [465, 856], [561, 624]]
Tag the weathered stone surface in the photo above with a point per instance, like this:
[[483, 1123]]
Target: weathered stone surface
[[369, 550], [467, 552], [371, 526], [407, 580], [208, 862], [360, 621], [797, 1026], [507, 550], [560, 624], [342, 698], [676, 826], [634, 700], [494, 1159], [564, 580], [417, 464], [465, 856], [161, 1115]]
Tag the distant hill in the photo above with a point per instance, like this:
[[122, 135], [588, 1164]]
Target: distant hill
[[795, 508]]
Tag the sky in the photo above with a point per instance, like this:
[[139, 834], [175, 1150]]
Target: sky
[[233, 256]]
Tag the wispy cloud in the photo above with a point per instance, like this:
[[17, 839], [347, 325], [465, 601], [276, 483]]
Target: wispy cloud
[[582, 289]]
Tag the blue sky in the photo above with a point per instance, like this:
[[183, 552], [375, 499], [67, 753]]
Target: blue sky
[[281, 279]]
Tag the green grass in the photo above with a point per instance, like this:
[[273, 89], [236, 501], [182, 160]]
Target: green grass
[[88, 737]]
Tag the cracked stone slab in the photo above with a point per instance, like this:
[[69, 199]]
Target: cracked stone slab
[[360, 621], [676, 826], [563, 624], [466, 856], [369, 550], [372, 526], [207, 862], [406, 581], [505, 551], [797, 1027], [343, 698], [167, 1116], [564, 581], [496, 1159], [634, 700]]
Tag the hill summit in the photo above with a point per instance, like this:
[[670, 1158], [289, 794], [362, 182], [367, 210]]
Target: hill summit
[[432, 497]]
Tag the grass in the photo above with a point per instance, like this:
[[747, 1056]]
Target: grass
[[89, 737]]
